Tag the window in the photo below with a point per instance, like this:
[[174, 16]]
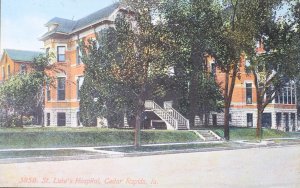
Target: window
[[48, 119], [278, 120], [8, 71], [277, 98], [78, 85], [78, 56], [3, 73], [249, 120], [23, 69], [61, 53], [289, 95], [248, 93], [48, 92], [293, 96], [61, 119], [214, 119], [285, 90], [281, 97], [61, 90]]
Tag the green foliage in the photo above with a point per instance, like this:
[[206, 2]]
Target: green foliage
[[189, 28], [123, 67], [22, 94]]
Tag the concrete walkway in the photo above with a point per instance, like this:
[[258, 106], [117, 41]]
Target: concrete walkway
[[105, 151]]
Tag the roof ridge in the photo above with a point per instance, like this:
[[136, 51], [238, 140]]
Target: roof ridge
[[67, 27], [107, 7], [5, 49], [95, 13]]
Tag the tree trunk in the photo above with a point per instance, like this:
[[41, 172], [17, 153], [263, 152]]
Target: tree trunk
[[138, 117], [21, 121], [258, 123], [226, 121]]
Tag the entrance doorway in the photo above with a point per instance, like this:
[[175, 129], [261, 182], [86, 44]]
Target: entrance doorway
[[214, 118], [61, 119], [266, 120]]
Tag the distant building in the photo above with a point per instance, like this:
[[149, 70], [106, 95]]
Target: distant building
[[15, 61]]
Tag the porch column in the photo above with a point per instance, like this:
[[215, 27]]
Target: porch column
[[273, 120]]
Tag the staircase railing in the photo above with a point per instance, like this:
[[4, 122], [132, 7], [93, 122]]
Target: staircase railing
[[162, 113], [176, 115]]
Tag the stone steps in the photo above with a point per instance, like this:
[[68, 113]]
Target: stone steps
[[207, 135]]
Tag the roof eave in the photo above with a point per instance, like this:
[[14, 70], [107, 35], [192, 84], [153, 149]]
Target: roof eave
[[90, 25], [47, 36]]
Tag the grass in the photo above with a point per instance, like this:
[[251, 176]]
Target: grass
[[76, 137], [238, 133], [93, 137], [43, 153]]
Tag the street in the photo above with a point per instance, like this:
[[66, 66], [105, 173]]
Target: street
[[258, 167]]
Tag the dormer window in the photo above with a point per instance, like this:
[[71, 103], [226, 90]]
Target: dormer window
[[52, 27], [61, 53]]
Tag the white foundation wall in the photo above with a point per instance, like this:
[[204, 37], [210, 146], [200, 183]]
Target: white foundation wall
[[71, 116], [239, 117]]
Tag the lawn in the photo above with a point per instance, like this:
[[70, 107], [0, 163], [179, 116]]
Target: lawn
[[93, 137], [77, 137], [239, 133]]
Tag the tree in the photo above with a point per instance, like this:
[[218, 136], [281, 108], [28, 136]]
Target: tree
[[102, 95], [277, 66], [124, 69], [22, 94], [236, 38], [190, 27]]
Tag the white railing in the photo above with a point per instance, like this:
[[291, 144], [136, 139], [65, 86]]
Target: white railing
[[162, 113], [176, 115]]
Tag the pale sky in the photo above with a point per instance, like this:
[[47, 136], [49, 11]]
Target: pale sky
[[22, 21]]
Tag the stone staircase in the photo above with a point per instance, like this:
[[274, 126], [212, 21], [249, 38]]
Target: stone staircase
[[208, 135], [173, 119]]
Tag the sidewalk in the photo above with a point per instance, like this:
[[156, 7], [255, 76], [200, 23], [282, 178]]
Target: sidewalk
[[104, 152]]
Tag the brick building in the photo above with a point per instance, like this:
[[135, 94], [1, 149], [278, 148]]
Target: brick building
[[62, 101], [15, 61], [62, 39], [280, 114]]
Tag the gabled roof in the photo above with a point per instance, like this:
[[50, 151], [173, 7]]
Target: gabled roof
[[96, 16], [66, 26], [63, 25], [21, 55]]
